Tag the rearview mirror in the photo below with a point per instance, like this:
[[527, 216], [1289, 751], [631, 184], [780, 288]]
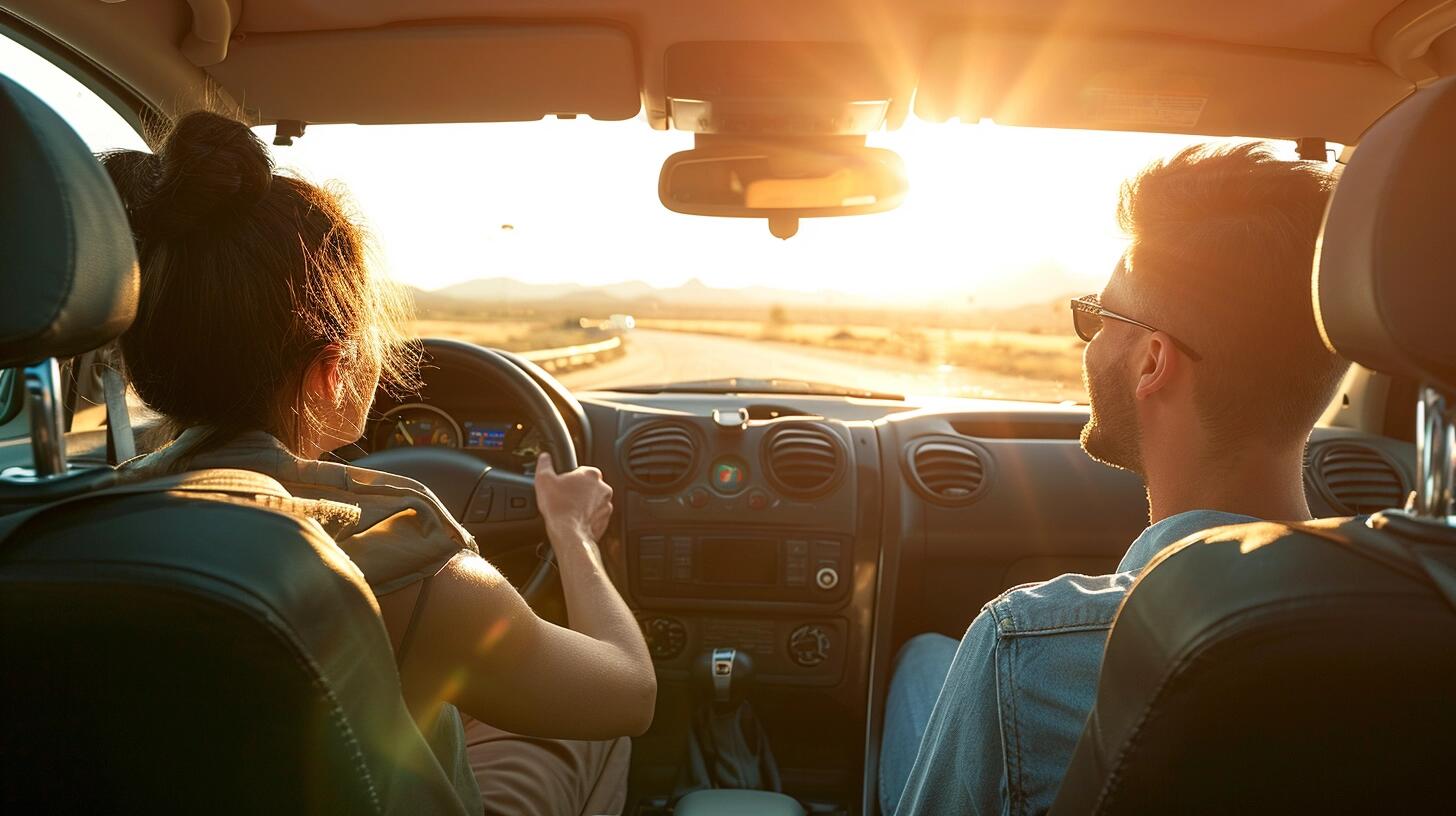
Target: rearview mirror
[[782, 182]]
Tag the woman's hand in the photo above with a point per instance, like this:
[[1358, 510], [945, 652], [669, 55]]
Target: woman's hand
[[493, 657], [574, 504]]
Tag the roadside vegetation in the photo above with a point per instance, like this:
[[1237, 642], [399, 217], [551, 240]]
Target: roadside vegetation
[[511, 335], [1033, 342], [1035, 353]]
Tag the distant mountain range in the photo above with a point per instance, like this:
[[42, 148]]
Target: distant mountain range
[[637, 296]]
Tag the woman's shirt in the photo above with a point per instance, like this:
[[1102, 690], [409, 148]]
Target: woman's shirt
[[401, 533]]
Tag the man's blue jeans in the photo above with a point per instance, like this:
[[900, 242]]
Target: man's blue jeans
[[919, 672]]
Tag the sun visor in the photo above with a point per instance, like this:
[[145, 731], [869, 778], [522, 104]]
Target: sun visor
[[758, 88], [444, 73], [1125, 82]]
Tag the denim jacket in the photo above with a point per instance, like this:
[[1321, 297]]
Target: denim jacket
[[1022, 684]]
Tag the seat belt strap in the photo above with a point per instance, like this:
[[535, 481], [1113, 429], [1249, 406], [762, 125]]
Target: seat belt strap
[[120, 440]]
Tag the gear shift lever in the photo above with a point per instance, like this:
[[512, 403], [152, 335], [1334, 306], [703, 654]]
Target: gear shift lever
[[726, 675], [727, 747]]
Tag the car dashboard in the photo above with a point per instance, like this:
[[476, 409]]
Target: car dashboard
[[817, 534]]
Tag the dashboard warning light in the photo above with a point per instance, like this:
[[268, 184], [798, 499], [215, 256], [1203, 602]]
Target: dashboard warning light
[[729, 475]]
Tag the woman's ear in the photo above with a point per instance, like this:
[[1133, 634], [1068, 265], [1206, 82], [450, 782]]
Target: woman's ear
[[323, 381]]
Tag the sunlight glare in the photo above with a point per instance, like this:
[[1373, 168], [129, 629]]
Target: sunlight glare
[[997, 214]]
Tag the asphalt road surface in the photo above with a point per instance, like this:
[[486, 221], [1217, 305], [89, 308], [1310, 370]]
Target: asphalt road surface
[[654, 357]]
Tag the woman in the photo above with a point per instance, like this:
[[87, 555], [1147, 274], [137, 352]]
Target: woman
[[261, 337]]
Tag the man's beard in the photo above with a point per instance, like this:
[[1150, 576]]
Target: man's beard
[[1112, 435]]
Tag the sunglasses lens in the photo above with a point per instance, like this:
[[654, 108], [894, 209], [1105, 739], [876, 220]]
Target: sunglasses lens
[[1087, 324]]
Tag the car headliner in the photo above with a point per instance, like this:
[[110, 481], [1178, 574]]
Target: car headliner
[[1319, 68]]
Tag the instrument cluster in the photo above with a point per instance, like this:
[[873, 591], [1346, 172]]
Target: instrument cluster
[[418, 424]]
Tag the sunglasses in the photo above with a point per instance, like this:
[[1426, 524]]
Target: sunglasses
[[1088, 317]]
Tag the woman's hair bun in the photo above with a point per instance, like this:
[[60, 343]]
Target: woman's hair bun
[[210, 168]]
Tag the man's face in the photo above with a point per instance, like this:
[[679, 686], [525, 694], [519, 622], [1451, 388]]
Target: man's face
[[1112, 434]]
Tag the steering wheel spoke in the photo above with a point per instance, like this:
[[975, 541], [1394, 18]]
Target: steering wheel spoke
[[502, 496]]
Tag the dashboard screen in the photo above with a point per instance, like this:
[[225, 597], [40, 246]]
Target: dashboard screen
[[738, 561], [486, 435]]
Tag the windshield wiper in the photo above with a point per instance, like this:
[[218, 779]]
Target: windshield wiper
[[746, 385]]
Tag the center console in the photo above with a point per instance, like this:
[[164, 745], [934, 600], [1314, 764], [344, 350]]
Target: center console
[[742, 533], [750, 531]]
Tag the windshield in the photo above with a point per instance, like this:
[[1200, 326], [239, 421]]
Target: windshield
[[549, 235]]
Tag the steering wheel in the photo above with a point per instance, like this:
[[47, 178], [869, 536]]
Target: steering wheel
[[476, 494]]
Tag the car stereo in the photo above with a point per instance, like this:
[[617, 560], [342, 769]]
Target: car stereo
[[759, 566]]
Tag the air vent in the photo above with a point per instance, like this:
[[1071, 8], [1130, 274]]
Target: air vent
[[946, 471], [660, 456], [1356, 478], [803, 461]]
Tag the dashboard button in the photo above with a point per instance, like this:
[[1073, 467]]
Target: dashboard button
[[651, 567], [651, 558], [698, 498], [479, 510], [520, 503], [809, 645], [828, 550], [665, 637], [826, 578], [682, 559], [758, 500]]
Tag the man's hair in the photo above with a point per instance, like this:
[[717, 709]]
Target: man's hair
[[1222, 247]]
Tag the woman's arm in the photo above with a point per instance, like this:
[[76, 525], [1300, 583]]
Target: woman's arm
[[478, 645]]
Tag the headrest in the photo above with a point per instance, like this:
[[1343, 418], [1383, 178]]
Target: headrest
[[1385, 272], [70, 269]]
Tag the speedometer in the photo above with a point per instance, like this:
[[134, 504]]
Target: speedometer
[[418, 425]]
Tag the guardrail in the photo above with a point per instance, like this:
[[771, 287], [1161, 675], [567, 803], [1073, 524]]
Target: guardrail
[[569, 358]]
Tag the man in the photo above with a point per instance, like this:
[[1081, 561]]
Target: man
[[1206, 374]]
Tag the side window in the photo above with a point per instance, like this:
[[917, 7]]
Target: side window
[[102, 128], [99, 125]]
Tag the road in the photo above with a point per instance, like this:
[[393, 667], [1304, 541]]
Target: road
[[663, 357]]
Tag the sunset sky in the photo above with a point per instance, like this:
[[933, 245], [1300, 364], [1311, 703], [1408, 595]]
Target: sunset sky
[[997, 213]]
